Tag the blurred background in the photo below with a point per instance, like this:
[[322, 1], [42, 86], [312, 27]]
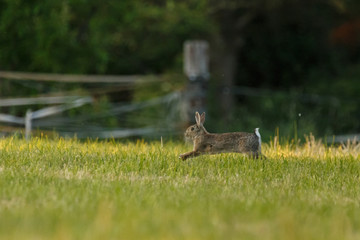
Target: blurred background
[[102, 69]]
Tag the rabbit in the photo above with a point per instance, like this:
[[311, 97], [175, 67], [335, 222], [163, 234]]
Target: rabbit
[[211, 143]]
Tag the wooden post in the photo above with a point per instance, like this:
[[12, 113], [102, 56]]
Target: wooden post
[[28, 117], [196, 68]]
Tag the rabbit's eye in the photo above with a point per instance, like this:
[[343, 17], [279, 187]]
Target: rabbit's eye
[[192, 129]]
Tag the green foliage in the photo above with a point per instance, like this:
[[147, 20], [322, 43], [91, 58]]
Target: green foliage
[[78, 36], [60, 188]]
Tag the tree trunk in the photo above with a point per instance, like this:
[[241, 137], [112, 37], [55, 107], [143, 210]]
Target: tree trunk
[[225, 65], [226, 46]]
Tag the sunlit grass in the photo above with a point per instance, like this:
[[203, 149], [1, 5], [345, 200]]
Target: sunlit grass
[[67, 189]]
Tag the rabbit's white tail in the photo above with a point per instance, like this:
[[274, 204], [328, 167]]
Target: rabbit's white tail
[[258, 135]]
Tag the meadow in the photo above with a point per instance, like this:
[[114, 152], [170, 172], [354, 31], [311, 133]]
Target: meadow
[[68, 189]]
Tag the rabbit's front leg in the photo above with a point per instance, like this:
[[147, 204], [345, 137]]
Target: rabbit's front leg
[[191, 154]]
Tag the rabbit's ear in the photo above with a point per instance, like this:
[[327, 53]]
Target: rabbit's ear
[[197, 119], [202, 118]]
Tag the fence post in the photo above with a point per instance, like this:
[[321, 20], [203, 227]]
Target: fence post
[[28, 117], [196, 68]]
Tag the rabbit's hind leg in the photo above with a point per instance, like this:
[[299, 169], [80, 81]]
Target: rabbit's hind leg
[[191, 154]]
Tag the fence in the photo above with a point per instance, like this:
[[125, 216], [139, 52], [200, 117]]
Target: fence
[[72, 78], [41, 113], [77, 126]]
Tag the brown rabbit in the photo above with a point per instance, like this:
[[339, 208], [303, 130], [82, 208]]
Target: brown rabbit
[[210, 143]]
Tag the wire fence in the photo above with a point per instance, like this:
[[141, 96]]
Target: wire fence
[[84, 125]]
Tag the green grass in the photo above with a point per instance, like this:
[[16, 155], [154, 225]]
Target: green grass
[[65, 189]]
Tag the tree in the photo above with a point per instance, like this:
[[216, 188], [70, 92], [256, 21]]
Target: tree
[[232, 18], [114, 37]]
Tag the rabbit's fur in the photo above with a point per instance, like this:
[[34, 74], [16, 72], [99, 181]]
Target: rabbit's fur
[[210, 143]]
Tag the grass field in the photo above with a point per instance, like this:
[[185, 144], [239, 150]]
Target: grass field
[[67, 189]]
